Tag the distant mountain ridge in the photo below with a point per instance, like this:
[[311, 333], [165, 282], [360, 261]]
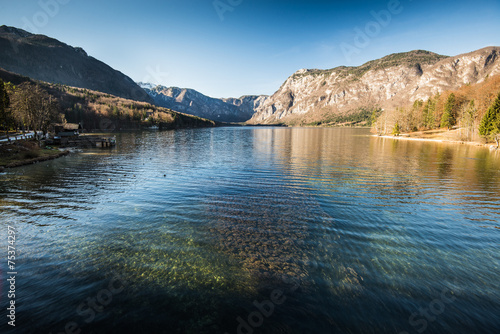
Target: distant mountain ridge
[[47, 59], [397, 80], [309, 96], [98, 111], [195, 103]]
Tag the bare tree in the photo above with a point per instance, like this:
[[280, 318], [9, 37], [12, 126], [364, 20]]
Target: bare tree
[[467, 115], [34, 108]]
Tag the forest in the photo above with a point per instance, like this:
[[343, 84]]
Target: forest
[[474, 110], [37, 106]]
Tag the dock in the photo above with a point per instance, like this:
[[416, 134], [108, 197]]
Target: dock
[[86, 141]]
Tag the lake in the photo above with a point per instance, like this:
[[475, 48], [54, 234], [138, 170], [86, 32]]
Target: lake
[[256, 230]]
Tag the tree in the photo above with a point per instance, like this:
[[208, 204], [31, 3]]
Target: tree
[[6, 119], [490, 124], [428, 114], [449, 119], [467, 119], [396, 131], [35, 108], [373, 118], [418, 120]]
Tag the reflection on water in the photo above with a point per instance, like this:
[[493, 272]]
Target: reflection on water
[[270, 230]]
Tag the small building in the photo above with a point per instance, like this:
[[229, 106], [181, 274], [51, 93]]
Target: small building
[[67, 130]]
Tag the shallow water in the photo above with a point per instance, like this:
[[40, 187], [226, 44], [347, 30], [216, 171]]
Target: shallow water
[[264, 230]]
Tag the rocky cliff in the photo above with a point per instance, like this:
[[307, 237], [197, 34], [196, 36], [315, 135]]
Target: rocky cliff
[[191, 102], [393, 81], [47, 59]]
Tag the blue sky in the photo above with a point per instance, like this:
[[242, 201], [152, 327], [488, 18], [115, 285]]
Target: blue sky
[[229, 48]]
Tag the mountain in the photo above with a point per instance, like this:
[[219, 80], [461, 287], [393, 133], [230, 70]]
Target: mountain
[[309, 96], [47, 59], [191, 102], [316, 96], [102, 112]]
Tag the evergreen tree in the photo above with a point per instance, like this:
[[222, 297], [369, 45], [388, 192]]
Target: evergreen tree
[[449, 119], [428, 112], [417, 104], [425, 114], [373, 118], [490, 124], [5, 115], [396, 130]]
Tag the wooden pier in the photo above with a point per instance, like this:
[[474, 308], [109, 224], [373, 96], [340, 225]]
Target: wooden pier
[[87, 141]]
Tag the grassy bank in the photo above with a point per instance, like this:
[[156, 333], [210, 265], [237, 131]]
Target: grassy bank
[[22, 153]]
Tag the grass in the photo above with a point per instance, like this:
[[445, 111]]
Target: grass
[[25, 152]]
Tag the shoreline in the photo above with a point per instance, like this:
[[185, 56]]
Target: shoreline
[[491, 147], [25, 162]]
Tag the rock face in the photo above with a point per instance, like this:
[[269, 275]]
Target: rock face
[[46, 59], [393, 81], [305, 97], [192, 102]]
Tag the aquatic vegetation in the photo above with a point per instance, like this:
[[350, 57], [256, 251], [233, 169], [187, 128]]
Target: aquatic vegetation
[[167, 261], [354, 231]]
